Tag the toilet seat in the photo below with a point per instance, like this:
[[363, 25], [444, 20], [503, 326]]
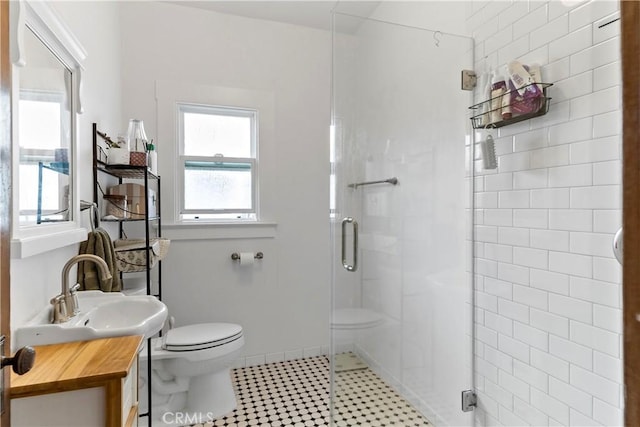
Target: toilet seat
[[201, 336]]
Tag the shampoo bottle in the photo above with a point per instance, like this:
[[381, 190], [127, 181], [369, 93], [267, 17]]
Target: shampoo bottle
[[498, 88], [485, 84], [521, 78], [153, 158], [536, 75], [506, 103]]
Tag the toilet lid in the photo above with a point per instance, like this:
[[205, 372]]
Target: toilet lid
[[201, 336]]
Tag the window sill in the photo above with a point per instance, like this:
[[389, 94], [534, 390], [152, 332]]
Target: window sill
[[26, 246], [219, 230]]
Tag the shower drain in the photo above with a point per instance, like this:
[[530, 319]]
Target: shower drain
[[344, 362]]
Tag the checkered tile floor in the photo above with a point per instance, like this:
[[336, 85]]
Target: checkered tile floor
[[296, 393]]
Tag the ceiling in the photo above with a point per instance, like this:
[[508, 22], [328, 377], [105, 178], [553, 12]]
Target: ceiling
[[314, 14]]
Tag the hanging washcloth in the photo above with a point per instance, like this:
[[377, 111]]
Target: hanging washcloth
[[98, 243]]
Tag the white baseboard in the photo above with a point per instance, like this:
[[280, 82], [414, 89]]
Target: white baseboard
[[262, 359]]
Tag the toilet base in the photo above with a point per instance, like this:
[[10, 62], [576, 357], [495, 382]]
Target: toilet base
[[209, 397], [212, 395]]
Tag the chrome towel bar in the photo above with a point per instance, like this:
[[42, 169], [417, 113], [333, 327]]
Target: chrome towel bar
[[392, 181]]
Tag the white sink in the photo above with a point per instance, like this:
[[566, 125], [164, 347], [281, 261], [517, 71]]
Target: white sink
[[102, 315]]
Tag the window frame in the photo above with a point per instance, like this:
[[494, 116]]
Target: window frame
[[250, 214]]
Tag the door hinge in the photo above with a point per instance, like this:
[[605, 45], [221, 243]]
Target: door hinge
[[469, 400]]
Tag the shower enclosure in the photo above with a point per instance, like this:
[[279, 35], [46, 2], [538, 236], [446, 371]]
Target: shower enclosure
[[401, 212]]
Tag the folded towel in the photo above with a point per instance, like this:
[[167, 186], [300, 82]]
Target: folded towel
[[98, 243]]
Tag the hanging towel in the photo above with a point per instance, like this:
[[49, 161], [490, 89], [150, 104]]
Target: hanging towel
[[98, 243]]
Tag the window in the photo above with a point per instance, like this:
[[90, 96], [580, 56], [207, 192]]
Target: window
[[218, 148]]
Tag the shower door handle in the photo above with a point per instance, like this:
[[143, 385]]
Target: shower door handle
[[345, 264]]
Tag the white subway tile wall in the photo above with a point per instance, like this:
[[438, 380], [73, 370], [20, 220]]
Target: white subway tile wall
[[548, 294]]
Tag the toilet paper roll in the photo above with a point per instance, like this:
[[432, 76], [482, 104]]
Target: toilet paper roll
[[246, 258]]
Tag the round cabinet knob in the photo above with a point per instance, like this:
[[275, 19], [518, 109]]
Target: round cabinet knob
[[22, 361]]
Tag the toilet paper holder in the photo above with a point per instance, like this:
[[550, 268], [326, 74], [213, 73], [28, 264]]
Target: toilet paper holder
[[236, 256]]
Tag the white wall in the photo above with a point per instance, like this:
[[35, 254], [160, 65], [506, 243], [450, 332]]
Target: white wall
[[548, 319], [437, 15], [35, 280], [283, 301]]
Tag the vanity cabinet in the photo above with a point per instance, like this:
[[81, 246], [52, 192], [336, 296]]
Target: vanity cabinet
[[81, 383]]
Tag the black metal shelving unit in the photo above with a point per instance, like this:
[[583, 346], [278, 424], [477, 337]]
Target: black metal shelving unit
[[139, 173]]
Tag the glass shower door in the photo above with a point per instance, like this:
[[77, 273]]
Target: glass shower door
[[401, 214]]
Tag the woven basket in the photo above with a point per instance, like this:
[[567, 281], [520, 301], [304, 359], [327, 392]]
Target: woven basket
[[131, 254]]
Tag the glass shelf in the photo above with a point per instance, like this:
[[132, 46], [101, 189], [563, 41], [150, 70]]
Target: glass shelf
[[60, 167]]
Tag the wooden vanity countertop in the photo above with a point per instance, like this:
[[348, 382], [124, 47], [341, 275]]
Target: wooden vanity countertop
[[76, 365]]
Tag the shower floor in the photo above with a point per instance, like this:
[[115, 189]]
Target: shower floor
[[296, 393]]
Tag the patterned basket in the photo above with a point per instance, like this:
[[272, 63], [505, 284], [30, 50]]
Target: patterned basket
[[131, 254]]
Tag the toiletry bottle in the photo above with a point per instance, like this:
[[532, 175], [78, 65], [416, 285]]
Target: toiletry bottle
[[153, 158], [498, 88], [536, 75], [506, 103], [485, 84], [521, 79]]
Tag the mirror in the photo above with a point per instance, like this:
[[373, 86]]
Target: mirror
[[47, 65], [44, 136]]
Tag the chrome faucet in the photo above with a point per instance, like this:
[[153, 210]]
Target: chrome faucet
[[65, 305]]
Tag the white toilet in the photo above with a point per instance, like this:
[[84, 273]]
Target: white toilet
[[349, 324], [191, 378]]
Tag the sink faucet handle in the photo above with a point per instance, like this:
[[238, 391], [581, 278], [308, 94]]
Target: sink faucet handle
[[73, 306], [59, 311], [58, 298]]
